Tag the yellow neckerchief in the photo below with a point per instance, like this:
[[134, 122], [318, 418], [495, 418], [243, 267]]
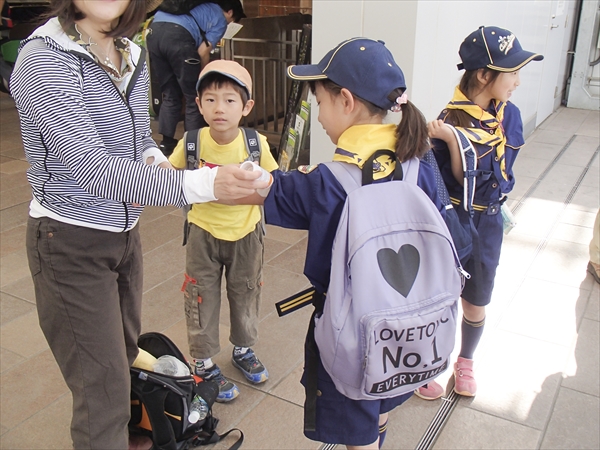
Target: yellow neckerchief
[[359, 142], [487, 122]]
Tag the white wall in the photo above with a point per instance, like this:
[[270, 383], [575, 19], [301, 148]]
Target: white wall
[[424, 36]]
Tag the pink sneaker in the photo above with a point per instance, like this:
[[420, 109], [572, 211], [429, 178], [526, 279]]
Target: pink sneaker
[[430, 391], [464, 381]]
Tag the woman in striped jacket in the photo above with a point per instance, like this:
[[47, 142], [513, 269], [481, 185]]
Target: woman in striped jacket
[[81, 90]]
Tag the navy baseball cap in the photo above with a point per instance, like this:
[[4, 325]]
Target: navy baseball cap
[[363, 66], [494, 48]]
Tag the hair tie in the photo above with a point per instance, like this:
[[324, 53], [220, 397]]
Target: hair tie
[[402, 100]]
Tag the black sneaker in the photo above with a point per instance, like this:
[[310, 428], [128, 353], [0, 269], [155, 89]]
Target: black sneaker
[[250, 366], [227, 390]]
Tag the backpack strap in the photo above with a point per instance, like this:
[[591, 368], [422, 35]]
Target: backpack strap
[[191, 146], [254, 148], [469, 163], [351, 177]]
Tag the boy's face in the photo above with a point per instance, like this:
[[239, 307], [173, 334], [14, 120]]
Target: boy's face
[[222, 107]]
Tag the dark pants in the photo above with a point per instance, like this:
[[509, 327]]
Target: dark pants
[[88, 289], [175, 63]]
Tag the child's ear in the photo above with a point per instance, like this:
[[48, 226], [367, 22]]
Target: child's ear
[[248, 107], [347, 100], [228, 15], [199, 103], [483, 76]]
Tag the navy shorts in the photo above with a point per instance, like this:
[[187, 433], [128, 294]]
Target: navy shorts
[[478, 289], [341, 420]]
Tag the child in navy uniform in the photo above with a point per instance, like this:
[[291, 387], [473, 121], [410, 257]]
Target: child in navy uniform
[[355, 85], [492, 58]]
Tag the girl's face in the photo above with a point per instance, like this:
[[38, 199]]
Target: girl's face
[[331, 113], [503, 86], [101, 13]]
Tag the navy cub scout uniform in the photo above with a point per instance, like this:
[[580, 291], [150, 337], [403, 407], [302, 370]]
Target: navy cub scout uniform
[[312, 199], [489, 190]]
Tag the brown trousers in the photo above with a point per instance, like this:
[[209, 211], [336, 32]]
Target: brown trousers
[[206, 258], [88, 289]]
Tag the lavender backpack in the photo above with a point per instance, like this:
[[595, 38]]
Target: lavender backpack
[[389, 319]]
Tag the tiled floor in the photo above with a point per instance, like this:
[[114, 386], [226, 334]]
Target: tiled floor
[[537, 365]]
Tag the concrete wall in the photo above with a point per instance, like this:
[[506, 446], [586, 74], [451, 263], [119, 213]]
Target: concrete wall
[[424, 36]]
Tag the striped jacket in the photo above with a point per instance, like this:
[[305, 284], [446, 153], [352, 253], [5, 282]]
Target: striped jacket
[[84, 139]]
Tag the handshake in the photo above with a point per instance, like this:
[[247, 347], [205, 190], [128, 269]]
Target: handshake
[[234, 182]]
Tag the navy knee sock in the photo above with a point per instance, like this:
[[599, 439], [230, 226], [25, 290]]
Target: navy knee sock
[[382, 432], [471, 334]]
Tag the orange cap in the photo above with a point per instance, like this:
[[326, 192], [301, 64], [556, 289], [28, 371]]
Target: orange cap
[[231, 69]]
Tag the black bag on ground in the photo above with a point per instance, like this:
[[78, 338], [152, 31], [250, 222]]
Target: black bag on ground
[[160, 404]]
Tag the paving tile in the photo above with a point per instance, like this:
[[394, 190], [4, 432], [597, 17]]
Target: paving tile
[[160, 231], [576, 216], [580, 151], [285, 431], [274, 248], [13, 267], [553, 137], [536, 217], [574, 422], [285, 234], [592, 311], [12, 308], [22, 288], [529, 167], [566, 119], [583, 368], [289, 388], [13, 216], [13, 240], [25, 344], [592, 177], [563, 262], [591, 125], [539, 150], [521, 187], [14, 166], [12, 180], [546, 311], [48, 429], [163, 262], [518, 377], [471, 429], [162, 305], [29, 388], [572, 233], [293, 259], [408, 422], [8, 360], [586, 198], [154, 212]]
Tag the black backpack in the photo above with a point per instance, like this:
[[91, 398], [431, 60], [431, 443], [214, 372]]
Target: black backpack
[[160, 404]]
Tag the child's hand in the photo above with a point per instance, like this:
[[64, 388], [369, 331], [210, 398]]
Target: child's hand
[[438, 130], [166, 165]]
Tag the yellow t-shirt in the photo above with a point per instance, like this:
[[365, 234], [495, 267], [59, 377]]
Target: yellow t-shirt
[[229, 223]]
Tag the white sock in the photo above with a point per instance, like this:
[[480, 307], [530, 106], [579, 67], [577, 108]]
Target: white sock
[[204, 363], [240, 350]]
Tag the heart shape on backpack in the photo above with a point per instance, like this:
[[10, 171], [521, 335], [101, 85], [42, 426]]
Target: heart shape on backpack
[[399, 269]]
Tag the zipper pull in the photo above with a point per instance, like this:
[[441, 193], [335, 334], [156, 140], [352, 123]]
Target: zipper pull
[[463, 272]]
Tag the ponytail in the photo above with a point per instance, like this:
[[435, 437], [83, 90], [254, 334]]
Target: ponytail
[[412, 138]]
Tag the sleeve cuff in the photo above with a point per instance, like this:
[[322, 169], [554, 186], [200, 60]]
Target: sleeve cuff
[[198, 185], [159, 157]]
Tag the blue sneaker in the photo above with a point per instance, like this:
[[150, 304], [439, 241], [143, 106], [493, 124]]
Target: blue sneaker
[[250, 366], [227, 390]]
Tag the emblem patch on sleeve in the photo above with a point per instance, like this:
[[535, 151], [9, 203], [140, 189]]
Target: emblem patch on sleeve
[[307, 169]]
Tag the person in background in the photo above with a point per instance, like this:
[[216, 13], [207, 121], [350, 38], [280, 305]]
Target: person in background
[[179, 46], [81, 90], [492, 58]]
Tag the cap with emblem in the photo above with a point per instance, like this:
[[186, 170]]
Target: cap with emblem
[[363, 66], [494, 48]]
